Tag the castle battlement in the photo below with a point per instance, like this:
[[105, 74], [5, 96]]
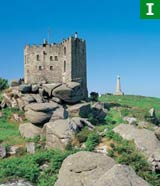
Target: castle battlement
[[56, 62], [53, 44]]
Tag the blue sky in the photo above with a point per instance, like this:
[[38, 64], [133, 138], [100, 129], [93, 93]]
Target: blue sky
[[118, 41]]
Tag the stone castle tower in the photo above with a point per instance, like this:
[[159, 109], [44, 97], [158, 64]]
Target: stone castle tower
[[56, 63]]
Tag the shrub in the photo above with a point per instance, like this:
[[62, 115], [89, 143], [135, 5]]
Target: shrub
[[83, 135], [112, 135], [92, 141], [94, 96], [125, 112], [3, 84], [92, 119], [28, 167], [111, 153]]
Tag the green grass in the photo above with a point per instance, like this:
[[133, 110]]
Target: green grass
[[130, 105], [28, 167], [132, 101], [9, 133], [114, 117]]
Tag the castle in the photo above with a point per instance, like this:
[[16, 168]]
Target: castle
[[56, 62]]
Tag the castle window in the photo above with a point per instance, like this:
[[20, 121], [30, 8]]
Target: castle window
[[65, 50], [38, 58], [40, 68], [51, 58], [56, 58], [64, 66], [25, 61], [51, 67]]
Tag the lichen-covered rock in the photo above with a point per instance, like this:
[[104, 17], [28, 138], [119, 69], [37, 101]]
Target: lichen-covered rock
[[35, 88], [40, 113], [82, 122], [157, 133], [120, 175], [37, 117], [29, 130], [59, 133], [59, 113], [17, 183], [83, 169], [31, 147], [56, 100], [130, 120], [3, 152], [42, 107], [82, 109], [28, 98], [70, 92], [25, 88], [9, 100], [48, 88]]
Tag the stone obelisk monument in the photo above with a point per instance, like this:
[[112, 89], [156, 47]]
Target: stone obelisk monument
[[118, 87]]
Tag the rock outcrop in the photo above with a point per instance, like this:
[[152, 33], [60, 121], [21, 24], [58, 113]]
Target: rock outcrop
[[60, 133], [120, 175], [70, 92], [145, 140], [82, 109], [40, 113], [28, 130], [83, 169], [94, 169]]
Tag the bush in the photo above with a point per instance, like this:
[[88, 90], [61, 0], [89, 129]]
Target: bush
[[28, 167], [125, 112], [112, 135], [83, 135], [3, 84], [94, 96], [111, 153], [92, 141]]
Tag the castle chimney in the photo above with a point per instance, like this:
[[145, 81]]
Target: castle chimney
[[76, 35]]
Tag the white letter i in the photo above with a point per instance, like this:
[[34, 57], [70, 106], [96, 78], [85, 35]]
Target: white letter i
[[150, 5]]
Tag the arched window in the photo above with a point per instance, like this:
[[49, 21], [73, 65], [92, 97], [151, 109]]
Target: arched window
[[38, 58], [64, 66], [65, 50]]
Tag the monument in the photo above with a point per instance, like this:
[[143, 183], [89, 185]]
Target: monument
[[118, 87]]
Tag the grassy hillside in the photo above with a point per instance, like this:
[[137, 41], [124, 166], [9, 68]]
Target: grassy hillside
[[123, 151], [9, 133], [129, 105], [132, 101]]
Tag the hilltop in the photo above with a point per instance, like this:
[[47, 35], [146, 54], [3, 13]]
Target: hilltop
[[132, 101], [131, 114]]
